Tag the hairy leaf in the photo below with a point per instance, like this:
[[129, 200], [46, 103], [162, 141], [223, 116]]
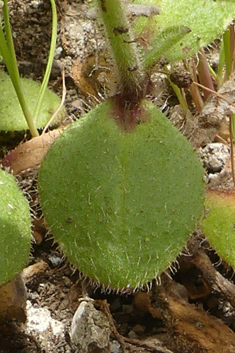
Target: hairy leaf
[[121, 202], [15, 228], [206, 19]]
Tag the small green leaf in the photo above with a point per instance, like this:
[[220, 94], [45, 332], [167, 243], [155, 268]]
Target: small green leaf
[[15, 228], [163, 42], [11, 115]]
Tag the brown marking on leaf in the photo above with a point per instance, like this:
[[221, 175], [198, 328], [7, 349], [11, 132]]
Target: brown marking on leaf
[[103, 5], [128, 117], [119, 30]]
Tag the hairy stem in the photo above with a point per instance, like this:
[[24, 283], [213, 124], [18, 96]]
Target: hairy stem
[[124, 51]]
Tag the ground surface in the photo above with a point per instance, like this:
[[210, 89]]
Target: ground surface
[[193, 309]]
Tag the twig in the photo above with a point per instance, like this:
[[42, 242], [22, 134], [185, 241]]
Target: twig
[[215, 93], [104, 306], [146, 346], [213, 277]]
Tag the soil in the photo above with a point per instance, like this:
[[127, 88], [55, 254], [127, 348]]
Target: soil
[[191, 309]]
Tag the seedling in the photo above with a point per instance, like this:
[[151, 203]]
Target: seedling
[[117, 188], [122, 189]]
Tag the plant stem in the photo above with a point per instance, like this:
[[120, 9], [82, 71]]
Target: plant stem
[[228, 41], [179, 95], [197, 99], [9, 40], [129, 70], [49, 62], [231, 132], [232, 46], [8, 53], [219, 79]]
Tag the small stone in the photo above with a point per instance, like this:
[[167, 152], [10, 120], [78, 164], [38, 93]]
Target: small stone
[[115, 347], [40, 320], [90, 329], [214, 156], [55, 260], [58, 52]]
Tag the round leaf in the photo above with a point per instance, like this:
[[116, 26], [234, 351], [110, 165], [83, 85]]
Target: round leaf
[[121, 203]]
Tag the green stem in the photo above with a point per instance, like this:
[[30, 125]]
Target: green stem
[[219, 79], [232, 47], [228, 51], [9, 40], [212, 72], [49, 62], [178, 93], [129, 70], [231, 131], [8, 53], [177, 90]]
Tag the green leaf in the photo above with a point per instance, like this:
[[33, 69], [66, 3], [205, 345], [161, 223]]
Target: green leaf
[[11, 115], [219, 223], [121, 203], [15, 228], [206, 19], [163, 42]]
